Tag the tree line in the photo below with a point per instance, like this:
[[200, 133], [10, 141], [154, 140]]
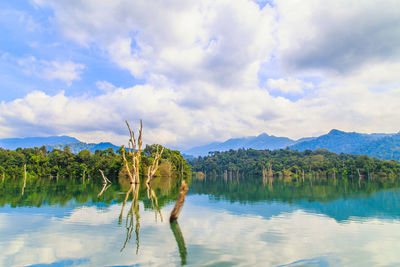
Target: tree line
[[294, 164], [59, 164]]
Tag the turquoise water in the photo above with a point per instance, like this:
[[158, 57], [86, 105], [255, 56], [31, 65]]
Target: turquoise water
[[223, 223]]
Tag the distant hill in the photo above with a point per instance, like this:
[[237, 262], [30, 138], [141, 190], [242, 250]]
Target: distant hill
[[54, 142], [380, 145], [387, 147], [384, 146], [262, 141], [28, 142], [336, 141], [79, 146]]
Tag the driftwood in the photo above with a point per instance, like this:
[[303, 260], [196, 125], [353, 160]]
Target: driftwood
[[179, 203]]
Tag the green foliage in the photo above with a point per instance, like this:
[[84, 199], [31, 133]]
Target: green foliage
[[288, 163], [61, 164]]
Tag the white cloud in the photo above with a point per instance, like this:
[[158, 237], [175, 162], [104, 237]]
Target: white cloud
[[105, 86], [166, 120], [289, 85], [338, 35], [200, 62], [67, 71], [222, 42]]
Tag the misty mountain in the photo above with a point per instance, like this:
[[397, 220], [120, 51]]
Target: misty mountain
[[383, 146], [387, 147], [380, 145], [337, 141], [262, 141], [79, 146], [54, 142], [29, 142]]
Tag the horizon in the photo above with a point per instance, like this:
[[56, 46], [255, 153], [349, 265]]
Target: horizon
[[198, 72], [183, 149]]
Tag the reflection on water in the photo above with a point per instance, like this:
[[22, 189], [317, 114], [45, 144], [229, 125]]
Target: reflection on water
[[179, 240], [247, 222]]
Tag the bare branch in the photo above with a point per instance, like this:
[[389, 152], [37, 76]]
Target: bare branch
[[127, 166], [105, 178], [134, 172], [152, 170]]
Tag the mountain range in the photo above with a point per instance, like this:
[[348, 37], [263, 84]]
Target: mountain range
[[380, 145], [262, 141], [54, 142]]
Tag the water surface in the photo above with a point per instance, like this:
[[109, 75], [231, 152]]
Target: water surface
[[241, 222]]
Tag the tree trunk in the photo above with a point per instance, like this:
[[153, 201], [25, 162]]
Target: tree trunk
[[179, 203]]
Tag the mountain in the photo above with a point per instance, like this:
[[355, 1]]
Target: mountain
[[54, 142], [262, 141], [387, 147], [27, 142], [78, 146], [336, 141], [384, 146], [380, 145]]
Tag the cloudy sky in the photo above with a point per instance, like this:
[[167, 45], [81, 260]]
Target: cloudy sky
[[198, 71]]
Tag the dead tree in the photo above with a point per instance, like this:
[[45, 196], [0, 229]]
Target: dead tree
[[153, 168], [264, 175], [135, 155], [105, 183], [105, 179], [179, 203], [83, 176], [270, 172], [150, 174], [360, 177], [23, 187]]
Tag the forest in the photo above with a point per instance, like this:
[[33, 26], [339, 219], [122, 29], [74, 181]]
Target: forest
[[59, 164], [293, 164]]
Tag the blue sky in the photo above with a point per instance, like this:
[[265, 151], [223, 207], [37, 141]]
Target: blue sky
[[198, 71]]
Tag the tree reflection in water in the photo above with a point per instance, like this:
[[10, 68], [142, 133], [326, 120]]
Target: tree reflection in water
[[134, 210]]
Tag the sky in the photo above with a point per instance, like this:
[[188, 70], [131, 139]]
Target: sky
[[198, 71]]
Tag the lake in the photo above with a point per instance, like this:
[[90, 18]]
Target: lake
[[224, 222]]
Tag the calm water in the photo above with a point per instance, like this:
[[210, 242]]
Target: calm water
[[242, 222]]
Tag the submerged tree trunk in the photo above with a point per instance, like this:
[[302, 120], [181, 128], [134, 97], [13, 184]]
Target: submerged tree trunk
[[179, 203]]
